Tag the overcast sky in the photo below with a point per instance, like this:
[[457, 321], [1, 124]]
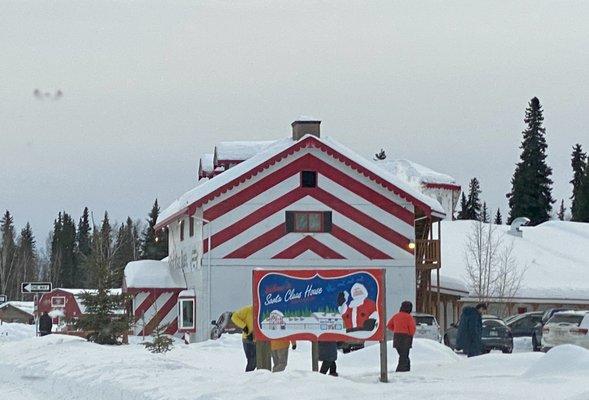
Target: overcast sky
[[149, 86]]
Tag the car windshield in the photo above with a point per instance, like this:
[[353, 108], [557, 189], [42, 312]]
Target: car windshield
[[423, 320], [566, 319], [492, 323]]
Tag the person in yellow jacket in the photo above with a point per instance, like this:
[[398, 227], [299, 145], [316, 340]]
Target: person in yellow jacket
[[244, 319], [279, 353]]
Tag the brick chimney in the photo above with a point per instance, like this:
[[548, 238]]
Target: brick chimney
[[305, 126]]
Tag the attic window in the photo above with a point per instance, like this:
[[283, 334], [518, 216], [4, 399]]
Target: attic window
[[308, 221], [58, 301], [308, 178]]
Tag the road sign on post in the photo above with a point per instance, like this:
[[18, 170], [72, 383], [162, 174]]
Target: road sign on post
[[35, 287], [3, 298]]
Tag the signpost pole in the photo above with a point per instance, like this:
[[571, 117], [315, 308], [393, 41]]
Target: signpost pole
[[384, 373], [315, 356], [36, 312]]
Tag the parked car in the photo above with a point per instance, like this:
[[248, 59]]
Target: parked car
[[427, 327], [566, 327], [537, 332], [223, 325], [523, 324], [495, 336]]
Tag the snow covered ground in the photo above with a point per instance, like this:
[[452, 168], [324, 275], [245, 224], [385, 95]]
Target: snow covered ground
[[61, 367]]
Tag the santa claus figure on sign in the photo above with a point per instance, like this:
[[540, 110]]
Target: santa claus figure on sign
[[359, 313]]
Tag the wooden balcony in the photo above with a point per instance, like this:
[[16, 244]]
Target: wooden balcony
[[427, 254]]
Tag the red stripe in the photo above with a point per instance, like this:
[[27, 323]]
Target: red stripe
[[173, 327], [160, 315], [359, 245], [147, 303], [308, 243], [259, 215], [259, 243], [362, 219]]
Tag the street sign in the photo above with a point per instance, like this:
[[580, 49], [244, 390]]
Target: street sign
[[35, 287], [3, 298]]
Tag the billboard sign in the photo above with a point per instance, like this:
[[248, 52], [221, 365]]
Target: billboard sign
[[319, 304]]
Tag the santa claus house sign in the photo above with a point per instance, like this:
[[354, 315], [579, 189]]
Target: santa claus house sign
[[319, 304]]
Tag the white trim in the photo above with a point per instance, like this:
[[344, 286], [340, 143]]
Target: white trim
[[181, 314]]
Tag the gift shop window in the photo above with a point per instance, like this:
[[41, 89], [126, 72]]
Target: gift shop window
[[186, 314], [308, 221]]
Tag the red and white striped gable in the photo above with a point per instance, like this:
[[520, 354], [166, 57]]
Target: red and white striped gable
[[372, 212]]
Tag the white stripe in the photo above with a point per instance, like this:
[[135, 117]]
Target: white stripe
[[138, 299], [340, 247], [308, 255], [150, 313]]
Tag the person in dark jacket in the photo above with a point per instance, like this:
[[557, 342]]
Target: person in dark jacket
[[470, 330], [402, 325], [328, 354], [45, 324]]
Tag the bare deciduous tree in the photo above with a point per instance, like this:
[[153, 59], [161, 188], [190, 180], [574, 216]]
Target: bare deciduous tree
[[492, 271]]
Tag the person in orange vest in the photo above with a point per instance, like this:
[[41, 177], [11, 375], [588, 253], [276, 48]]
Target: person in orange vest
[[279, 351], [402, 325]]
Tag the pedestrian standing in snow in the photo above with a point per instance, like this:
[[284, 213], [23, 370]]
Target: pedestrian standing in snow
[[244, 319], [45, 324], [470, 330], [279, 349], [328, 355], [402, 325]]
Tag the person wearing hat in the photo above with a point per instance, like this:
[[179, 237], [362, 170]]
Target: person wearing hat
[[402, 325]]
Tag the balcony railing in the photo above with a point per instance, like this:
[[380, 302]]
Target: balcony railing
[[427, 254]]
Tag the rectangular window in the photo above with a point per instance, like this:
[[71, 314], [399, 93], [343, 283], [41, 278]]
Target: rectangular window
[[308, 221], [181, 230], [191, 226], [308, 178], [186, 311], [58, 301]]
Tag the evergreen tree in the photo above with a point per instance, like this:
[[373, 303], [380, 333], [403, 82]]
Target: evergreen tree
[[463, 207], [531, 193], [8, 273], [473, 202], [106, 235], [83, 236], [154, 244], [583, 199], [64, 263], [561, 211], [381, 155], [125, 250], [485, 213], [498, 218], [26, 256], [579, 164]]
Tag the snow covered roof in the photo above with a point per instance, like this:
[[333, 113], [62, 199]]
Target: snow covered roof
[[274, 149], [25, 306], [448, 284], [555, 254], [145, 274], [240, 150], [415, 174], [206, 162]]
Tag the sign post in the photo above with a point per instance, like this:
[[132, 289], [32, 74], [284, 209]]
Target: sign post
[[384, 371], [321, 305], [3, 298], [36, 288]]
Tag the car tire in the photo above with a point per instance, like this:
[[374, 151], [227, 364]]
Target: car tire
[[447, 341], [507, 350]]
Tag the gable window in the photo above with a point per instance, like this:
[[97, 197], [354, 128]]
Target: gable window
[[191, 226], [186, 313], [308, 221], [58, 301], [308, 179], [181, 230]]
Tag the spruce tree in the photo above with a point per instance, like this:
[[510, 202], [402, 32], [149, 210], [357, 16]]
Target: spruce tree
[[83, 236], [125, 250], [561, 210], [26, 256], [463, 207], [381, 155], [8, 273], [583, 199], [498, 218], [154, 245], [485, 213], [473, 202], [531, 193], [579, 164], [64, 262], [106, 235]]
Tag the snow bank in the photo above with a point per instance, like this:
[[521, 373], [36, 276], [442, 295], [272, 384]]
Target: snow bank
[[562, 360], [13, 332]]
